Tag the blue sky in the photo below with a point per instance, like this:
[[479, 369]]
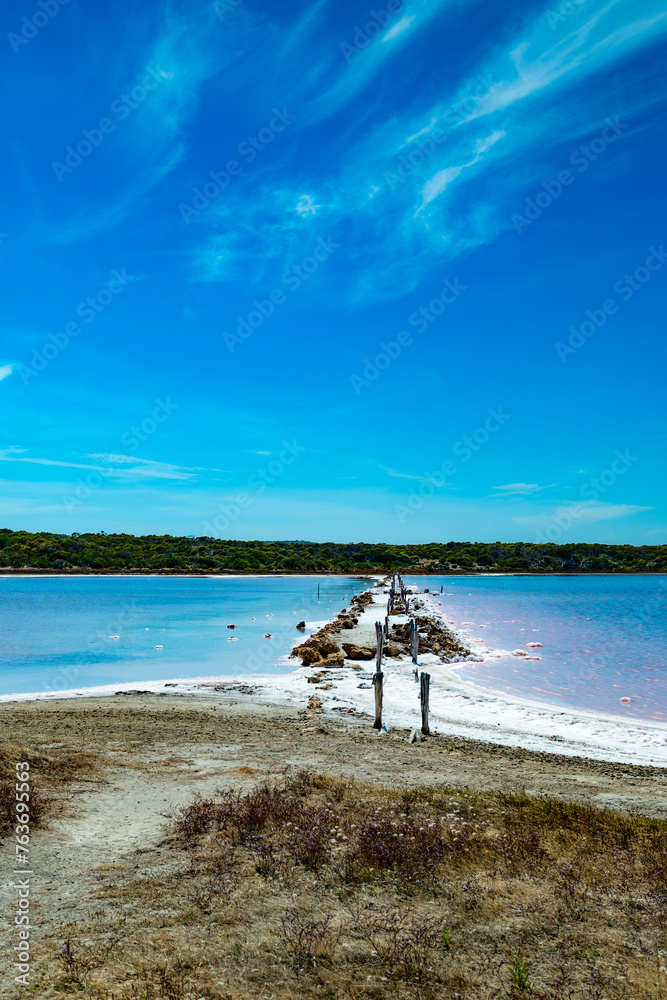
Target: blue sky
[[335, 271]]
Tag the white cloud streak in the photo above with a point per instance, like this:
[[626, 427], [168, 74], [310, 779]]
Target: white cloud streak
[[589, 512], [462, 192], [398, 28], [144, 468], [519, 489]]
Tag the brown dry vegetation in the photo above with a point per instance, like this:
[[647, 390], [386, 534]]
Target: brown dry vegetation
[[319, 887], [56, 770]]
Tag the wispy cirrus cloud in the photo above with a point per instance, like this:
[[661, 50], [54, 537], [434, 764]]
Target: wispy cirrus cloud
[[460, 193], [306, 205], [588, 512], [440, 181], [534, 63], [116, 459], [361, 70], [398, 28], [519, 489], [185, 53], [107, 456], [395, 474], [7, 369], [140, 468], [400, 475]]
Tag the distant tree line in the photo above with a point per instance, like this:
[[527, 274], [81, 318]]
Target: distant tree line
[[23, 550]]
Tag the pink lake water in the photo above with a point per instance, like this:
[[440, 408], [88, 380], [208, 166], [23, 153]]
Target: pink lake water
[[603, 638]]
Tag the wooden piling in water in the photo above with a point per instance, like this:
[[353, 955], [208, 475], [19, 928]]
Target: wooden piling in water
[[424, 686], [414, 639], [379, 639], [378, 678]]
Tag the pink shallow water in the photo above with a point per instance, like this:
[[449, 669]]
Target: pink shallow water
[[603, 638]]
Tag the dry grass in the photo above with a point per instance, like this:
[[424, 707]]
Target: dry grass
[[56, 772], [57, 767], [312, 887]]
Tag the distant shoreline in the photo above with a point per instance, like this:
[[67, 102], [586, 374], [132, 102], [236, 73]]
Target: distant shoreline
[[187, 555]]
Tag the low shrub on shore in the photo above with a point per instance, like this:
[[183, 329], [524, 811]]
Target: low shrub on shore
[[49, 776], [10, 755], [8, 815], [315, 887]]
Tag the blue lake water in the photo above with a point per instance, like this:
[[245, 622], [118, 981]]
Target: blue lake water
[[603, 637], [58, 633]]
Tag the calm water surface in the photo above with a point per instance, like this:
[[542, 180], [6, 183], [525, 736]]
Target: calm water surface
[[70, 632], [603, 637]]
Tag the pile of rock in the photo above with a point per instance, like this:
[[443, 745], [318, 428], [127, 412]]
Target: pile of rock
[[360, 601], [433, 638], [356, 652], [321, 649], [389, 649], [347, 619]]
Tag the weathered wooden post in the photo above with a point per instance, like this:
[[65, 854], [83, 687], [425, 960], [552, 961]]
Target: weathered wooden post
[[424, 685], [378, 678], [414, 639], [386, 626], [379, 639]]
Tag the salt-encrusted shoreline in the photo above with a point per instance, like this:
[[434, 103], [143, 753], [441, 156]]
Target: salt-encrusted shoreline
[[456, 707]]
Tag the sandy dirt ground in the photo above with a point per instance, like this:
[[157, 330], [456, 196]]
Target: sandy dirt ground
[[151, 753]]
